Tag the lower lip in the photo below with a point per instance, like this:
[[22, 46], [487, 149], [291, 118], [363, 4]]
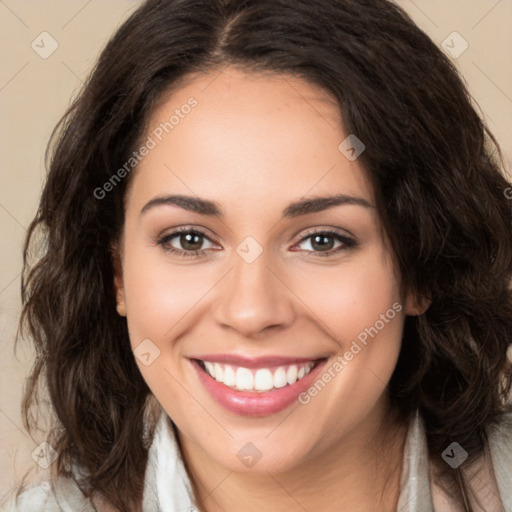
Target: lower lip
[[247, 403]]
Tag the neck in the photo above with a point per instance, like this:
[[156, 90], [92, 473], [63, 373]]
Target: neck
[[362, 472]]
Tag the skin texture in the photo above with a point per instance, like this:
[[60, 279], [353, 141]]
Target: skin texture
[[255, 143]]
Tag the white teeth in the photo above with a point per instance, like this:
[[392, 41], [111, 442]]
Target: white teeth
[[229, 376], [244, 379], [219, 372], [210, 368], [280, 378], [291, 374], [263, 379]]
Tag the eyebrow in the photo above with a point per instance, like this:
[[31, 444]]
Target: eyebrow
[[294, 209]]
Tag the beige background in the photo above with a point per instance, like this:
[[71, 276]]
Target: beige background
[[34, 92]]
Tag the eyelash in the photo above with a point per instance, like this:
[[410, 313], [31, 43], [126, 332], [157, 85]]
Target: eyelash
[[348, 243]]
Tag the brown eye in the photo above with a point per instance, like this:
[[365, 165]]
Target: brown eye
[[322, 243], [190, 241], [185, 242]]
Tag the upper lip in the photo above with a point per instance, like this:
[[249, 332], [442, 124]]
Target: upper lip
[[255, 362]]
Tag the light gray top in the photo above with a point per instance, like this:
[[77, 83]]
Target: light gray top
[[167, 487]]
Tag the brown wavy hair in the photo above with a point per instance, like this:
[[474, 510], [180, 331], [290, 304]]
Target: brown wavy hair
[[435, 167]]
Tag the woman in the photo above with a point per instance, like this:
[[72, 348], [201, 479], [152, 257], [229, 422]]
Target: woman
[[276, 271]]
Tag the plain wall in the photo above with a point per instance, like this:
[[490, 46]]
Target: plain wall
[[35, 91]]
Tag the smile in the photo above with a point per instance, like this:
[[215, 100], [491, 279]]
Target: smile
[[257, 387], [257, 380]]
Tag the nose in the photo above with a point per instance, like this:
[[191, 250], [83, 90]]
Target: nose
[[254, 297]]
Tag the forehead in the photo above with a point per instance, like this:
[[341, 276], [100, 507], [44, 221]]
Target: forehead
[[253, 88], [248, 135]]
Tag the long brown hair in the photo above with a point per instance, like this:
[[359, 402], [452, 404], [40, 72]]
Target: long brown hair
[[434, 165]]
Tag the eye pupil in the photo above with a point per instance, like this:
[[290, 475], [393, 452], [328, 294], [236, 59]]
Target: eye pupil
[[187, 241], [324, 242]]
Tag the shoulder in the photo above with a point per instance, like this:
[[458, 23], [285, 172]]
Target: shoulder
[[490, 474], [500, 447], [38, 498], [64, 496]]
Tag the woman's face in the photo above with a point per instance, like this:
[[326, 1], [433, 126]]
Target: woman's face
[[293, 274]]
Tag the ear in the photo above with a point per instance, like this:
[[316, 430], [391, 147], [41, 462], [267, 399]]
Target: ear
[[118, 279], [416, 305]]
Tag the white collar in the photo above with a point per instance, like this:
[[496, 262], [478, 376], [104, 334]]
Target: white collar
[[167, 487]]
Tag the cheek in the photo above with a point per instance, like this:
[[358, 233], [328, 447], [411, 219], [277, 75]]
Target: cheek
[[159, 295], [359, 306], [352, 297], [158, 298], [368, 333]]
